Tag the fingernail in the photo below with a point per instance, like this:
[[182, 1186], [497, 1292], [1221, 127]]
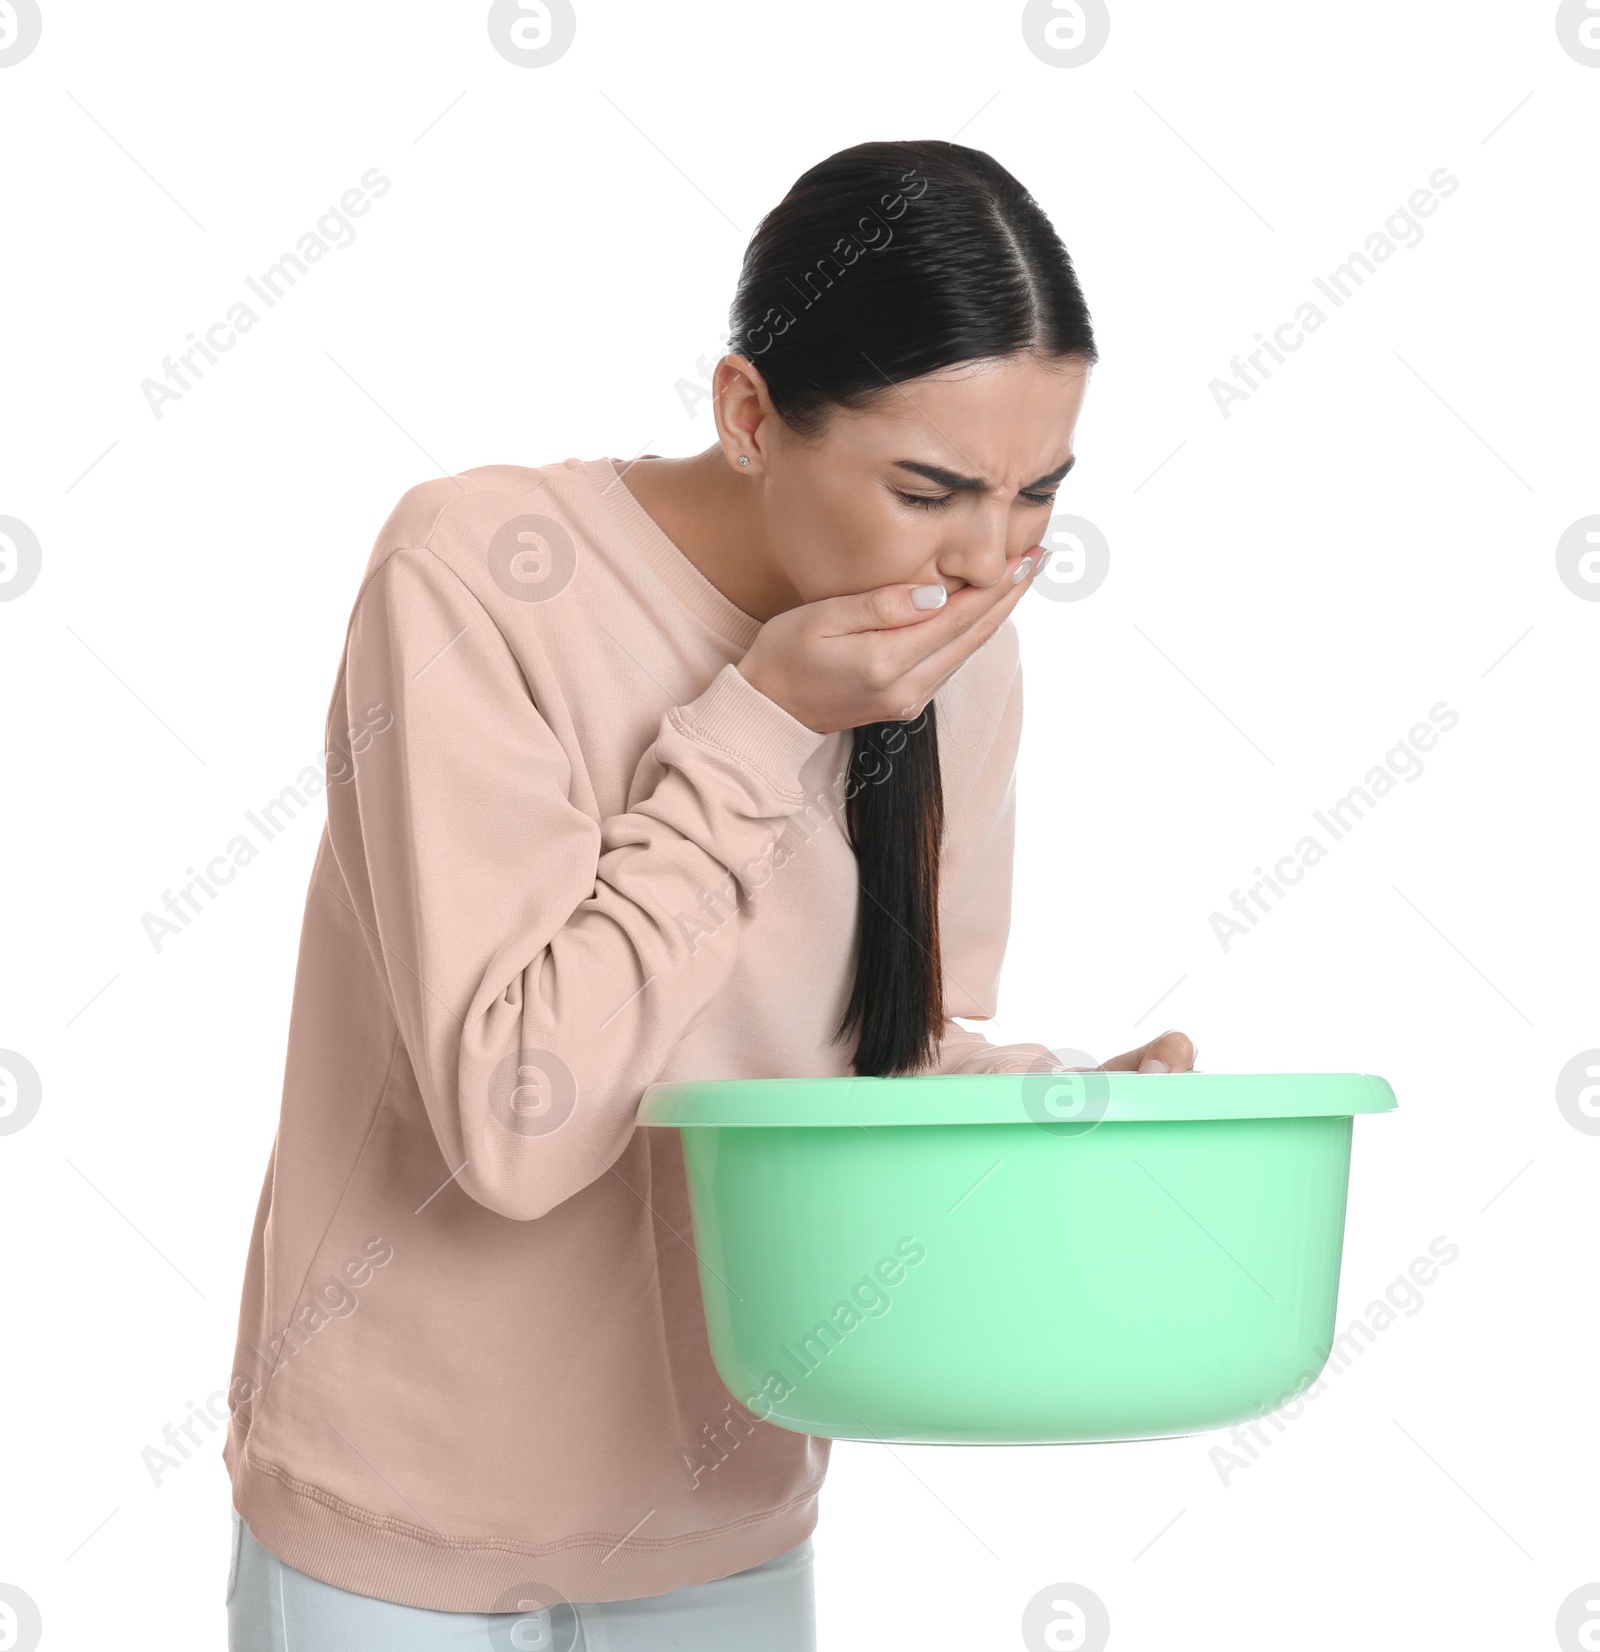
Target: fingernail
[[1023, 569], [928, 596], [1153, 1064]]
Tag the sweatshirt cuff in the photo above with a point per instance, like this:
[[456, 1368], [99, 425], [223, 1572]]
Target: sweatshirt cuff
[[734, 714], [1015, 1058]]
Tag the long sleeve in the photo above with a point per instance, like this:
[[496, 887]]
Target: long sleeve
[[976, 872], [541, 963]]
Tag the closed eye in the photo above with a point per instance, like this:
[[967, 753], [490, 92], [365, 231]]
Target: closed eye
[[937, 501]]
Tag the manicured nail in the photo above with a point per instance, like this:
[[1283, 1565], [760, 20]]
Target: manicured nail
[[1153, 1064], [1024, 567], [928, 596]]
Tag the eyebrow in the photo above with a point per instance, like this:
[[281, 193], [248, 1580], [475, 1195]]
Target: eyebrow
[[976, 484]]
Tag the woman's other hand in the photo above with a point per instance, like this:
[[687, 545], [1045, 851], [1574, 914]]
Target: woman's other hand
[[1172, 1052]]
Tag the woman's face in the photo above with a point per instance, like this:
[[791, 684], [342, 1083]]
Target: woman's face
[[941, 479]]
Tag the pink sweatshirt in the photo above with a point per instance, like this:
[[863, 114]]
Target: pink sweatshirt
[[570, 851]]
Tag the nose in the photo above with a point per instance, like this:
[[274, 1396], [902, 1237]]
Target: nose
[[977, 553]]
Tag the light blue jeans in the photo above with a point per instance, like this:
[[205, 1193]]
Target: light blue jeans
[[274, 1608]]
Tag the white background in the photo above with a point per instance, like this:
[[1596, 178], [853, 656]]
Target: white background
[[1291, 588]]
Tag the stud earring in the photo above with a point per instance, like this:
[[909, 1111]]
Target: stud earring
[[744, 458]]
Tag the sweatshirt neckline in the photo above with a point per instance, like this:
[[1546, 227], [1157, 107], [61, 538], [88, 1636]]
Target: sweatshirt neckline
[[677, 572]]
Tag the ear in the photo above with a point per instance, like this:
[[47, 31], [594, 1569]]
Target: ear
[[744, 413]]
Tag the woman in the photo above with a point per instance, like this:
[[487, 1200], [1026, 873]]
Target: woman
[[701, 770]]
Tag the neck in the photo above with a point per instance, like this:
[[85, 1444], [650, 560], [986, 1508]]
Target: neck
[[715, 516]]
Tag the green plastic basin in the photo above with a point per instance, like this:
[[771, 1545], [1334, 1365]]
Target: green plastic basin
[[1018, 1258]]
